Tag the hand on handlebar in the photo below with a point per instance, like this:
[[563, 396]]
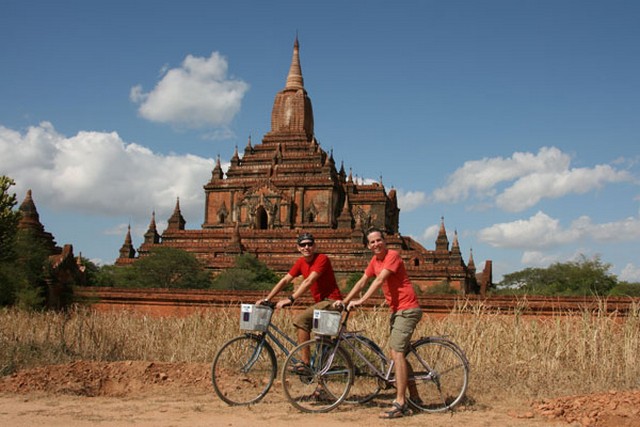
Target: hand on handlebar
[[266, 302], [353, 304], [283, 302]]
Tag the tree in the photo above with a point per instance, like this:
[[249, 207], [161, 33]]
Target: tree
[[625, 289], [166, 267], [584, 277], [91, 271], [248, 273], [22, 279], [8, 219]]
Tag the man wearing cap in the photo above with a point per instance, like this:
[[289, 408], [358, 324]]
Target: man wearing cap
[[318, 276]]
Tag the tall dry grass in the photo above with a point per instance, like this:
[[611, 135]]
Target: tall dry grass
[[509, 354]]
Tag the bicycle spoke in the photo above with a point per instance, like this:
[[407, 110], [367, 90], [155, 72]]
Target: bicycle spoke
[[439, 375], [243, 370], [366, 383], [323, 383]]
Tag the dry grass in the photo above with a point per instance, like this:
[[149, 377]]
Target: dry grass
[[509, 354]]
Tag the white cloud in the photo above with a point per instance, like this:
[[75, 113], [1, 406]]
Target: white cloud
[[630, 273], [98, 173], [541, 231], [538, 258], [198, 94], [530, 189], [410, 200], [430, 233], [546, 174]]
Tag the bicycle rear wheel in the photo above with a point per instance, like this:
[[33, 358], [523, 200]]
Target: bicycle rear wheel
[[366, 383], [321, 385], [243, 370], [440, 373]]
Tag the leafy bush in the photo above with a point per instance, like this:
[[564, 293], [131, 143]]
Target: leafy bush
[[585, 277], [248, 273]]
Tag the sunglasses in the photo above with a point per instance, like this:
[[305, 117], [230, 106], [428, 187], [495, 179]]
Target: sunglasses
[[306, 244]]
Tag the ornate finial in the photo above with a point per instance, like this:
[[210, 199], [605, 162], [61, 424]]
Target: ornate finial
[[294, 79]]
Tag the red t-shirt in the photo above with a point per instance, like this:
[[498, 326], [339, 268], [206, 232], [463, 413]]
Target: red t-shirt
[[323, 288], [397, 289]]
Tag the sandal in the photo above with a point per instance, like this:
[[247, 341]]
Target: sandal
[[397, 411], [300, 368]]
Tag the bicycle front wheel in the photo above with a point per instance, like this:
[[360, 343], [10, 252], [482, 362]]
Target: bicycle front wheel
[[323, 383], [440, 375], [367, 382], [243, 370]]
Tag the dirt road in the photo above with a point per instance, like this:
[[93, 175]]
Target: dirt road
[[163, 394]]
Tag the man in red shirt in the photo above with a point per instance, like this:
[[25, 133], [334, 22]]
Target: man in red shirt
[[388, 269], [319, 279]]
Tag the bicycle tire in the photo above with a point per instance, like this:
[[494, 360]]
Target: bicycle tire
[[366, 383], [321, 385], [440, 371], [243, 370]]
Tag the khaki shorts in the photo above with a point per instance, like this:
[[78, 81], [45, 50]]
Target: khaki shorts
[[403, 323], [304, 320]]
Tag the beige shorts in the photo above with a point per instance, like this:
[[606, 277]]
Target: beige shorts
[[403, 323], [304, 320]]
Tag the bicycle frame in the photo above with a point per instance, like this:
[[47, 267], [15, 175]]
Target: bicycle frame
[[346, 337], [273, 337]]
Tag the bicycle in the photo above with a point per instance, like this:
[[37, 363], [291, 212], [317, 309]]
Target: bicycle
[[245, 367], [439, 370]]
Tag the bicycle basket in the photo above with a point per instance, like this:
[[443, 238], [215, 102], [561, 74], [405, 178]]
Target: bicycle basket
[[326, 322], [255, 317]]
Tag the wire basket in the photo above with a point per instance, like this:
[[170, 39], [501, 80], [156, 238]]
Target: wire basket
[[326, 322], [255, 317]]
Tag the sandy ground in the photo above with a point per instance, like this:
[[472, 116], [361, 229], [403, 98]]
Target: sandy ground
[[164, 394]]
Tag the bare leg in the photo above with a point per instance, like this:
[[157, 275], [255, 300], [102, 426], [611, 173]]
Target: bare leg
[[402, 375], [302, 337]]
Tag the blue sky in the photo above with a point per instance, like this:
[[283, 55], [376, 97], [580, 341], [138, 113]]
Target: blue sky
[[516, 121]]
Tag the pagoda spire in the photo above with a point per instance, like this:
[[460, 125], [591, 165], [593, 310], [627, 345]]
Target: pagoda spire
[[216, 173], [176, 221], [294, 78], [29, 217], [472, 264], [442, 243], [456, 255], [235, 159], [30, 221], [152, 236], [127, 250], [292, 113]]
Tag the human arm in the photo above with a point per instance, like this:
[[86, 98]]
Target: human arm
[[375, 285], [277, 288], [302, 288], [355, 290]]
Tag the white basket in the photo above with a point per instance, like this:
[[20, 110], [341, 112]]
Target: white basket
[[326, 322], [255, 317]]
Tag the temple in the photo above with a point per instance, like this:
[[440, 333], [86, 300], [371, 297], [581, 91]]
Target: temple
[[287, 184], [62, 269]]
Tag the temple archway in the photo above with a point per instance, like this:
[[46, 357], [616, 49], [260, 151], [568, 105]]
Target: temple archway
[[262, 219]]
